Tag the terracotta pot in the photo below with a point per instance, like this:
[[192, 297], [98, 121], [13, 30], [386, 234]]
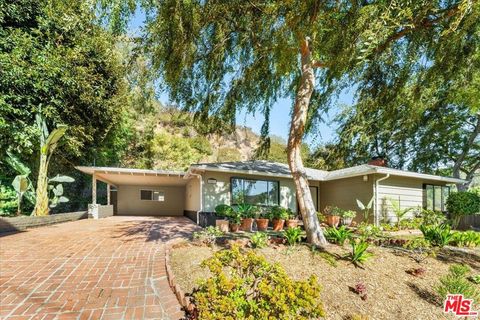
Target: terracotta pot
[[278, 224], [234, 227], [246, 224], [291, 223], [262, 224], [222, 225], [333, 221]]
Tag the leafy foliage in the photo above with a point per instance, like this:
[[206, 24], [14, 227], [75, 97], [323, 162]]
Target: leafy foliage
[[398, 211], [246, 210], [431, 217], [462, 203], [359, 254], [208, 235], [244, 285], [455, 282], [437, 235], [420, 249], [8, 202], [466, 239], [338, 235], [223, 210], [366, 209], [259, 240], [278, 212], [293, 235]]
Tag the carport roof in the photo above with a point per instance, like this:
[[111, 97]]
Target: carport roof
[[91, 170]]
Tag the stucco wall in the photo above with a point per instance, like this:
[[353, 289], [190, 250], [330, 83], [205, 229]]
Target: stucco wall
[[129, 202], [192, 194], [218, 193], [409, 191], [343, 193]]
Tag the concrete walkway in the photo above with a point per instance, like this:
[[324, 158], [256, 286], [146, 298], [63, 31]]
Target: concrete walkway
[[112, 268]]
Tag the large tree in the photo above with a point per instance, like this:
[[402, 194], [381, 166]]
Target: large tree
[[216, 57]]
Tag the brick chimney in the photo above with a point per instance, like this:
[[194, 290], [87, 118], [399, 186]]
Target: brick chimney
[[378, 161]]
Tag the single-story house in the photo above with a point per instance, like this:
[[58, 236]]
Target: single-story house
[[196, 192]]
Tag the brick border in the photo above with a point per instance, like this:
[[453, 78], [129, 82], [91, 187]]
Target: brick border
[[21, 223], [183, 300]]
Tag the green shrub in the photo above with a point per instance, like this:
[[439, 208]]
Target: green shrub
[[462, 203], [455, 282], [466, 239], [419, 249], [367, 230], [293, 235], [359, 254], [8, 202], [246, 210], [432, 217], [279, 212], [437, 235], [244, 285], [208, 235], [223, 210], [259, 240], [338, 235]]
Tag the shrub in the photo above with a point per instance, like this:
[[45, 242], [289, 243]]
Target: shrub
[[223, 210], [350, 214], [437, 235], [244, 285], [369, 230], [455, 282], [462, 203], [432, 217], [246, 210], [293, 235], [338, 235], [279, 212], [208, 235], [419, 249], [466, 239], [359, 254], [259, 240]]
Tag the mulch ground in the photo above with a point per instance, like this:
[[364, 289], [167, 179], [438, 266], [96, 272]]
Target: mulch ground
[[392, 293]]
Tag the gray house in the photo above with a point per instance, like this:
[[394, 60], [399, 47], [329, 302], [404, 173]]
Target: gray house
[[196, 192]]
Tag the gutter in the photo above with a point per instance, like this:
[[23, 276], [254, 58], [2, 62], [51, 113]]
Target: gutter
[[376, 218]]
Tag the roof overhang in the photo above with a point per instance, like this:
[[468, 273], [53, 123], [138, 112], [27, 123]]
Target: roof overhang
[[126, 176]]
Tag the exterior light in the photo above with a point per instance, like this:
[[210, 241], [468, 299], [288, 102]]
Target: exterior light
[[365, 178], [212, 181]]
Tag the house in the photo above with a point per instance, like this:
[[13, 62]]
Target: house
[[196, 192]]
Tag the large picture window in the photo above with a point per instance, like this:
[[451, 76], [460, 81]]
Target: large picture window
[[435, 197], [255, 192]]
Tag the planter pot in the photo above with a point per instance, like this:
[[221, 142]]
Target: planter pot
[[222, 225], [262, 224], [291, 223], [234, 227], [278, 224], [333, 221], [246, 224], [347, 221]]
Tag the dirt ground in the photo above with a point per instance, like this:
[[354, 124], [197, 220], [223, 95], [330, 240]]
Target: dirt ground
[[392, 293]]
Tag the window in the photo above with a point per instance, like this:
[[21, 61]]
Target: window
[[256, 192], [435, 197], [152, 195]]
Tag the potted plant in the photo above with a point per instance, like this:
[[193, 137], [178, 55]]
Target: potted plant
[[347, 217], [247, 213], [222, 211], [262, 221], [234, 219], [292, 220], [279, 215], [333, 215]]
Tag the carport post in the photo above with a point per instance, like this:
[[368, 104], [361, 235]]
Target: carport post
[[108, 193], [94, 189]]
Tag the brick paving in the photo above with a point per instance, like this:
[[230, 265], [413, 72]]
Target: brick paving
[[112, 268]]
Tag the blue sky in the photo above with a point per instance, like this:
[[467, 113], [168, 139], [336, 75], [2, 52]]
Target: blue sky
[[280, 114]]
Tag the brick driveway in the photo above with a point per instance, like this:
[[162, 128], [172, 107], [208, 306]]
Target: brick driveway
[[112, 268]]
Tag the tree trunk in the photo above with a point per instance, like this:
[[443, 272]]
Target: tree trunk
[[41, 203], [297, 129]]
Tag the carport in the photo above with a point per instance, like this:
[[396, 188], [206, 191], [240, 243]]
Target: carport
[[137, 192]]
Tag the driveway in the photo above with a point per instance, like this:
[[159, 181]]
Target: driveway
[[112, 268]]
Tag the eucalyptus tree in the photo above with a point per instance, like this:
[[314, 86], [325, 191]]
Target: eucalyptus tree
[[216, 57]]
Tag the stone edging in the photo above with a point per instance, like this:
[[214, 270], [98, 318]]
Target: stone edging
[[20, 223], [184, 300]]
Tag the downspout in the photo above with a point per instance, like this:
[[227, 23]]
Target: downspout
[[376, 217], [199, 176]]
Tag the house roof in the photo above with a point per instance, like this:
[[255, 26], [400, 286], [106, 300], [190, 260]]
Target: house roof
[[259, 167], [276, 169]]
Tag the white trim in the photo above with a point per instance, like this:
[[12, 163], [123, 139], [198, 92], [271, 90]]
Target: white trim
[[152, 191]]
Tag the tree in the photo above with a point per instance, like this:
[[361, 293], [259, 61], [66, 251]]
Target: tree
[[216, 57]]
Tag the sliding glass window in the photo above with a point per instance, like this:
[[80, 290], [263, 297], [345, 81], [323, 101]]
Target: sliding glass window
[[256, 192], [435, 197]]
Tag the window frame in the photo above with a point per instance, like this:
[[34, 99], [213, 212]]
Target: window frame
[[153, 192], [442, 196], [255, 179]]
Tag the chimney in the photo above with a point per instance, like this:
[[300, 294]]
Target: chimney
[[378, 161]]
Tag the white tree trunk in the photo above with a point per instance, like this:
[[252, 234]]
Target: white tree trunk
[[297, 129]]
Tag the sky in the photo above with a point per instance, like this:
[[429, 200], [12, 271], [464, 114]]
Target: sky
[[280, 113]]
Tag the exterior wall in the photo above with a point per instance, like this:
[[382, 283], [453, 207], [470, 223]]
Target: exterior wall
[[218, 193], [343, 193], [192, 195], [129, 202], [408, 191]]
